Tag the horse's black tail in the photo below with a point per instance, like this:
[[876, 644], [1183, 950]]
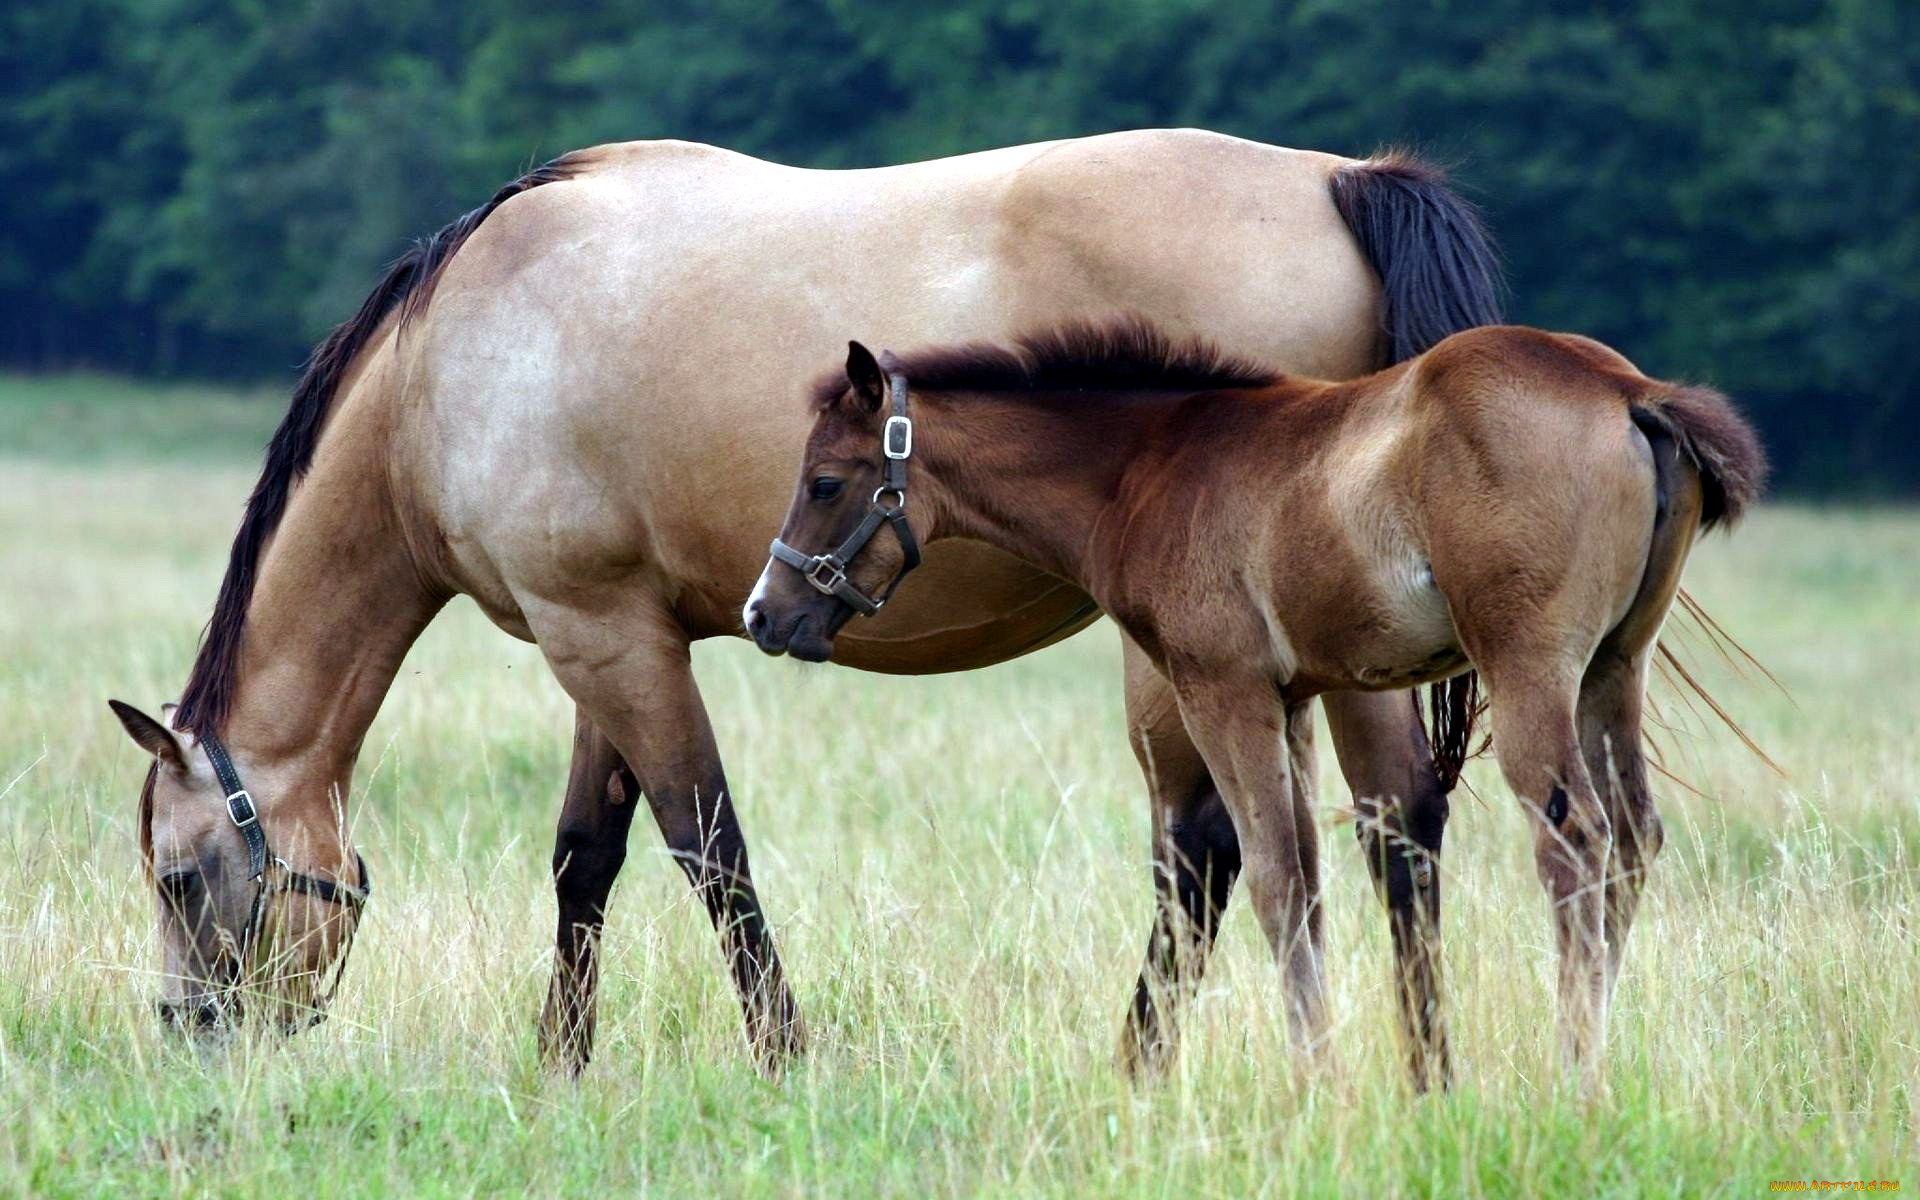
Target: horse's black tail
[[1439, 274]]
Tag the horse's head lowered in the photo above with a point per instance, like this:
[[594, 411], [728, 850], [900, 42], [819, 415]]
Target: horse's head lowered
[[828, 564], [254, 909]]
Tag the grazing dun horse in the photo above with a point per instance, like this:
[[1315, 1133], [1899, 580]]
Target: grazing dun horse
[[1517, 501], [558, 405]]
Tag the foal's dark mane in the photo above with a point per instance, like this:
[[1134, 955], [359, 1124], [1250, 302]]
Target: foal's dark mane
[[407, 286], [1125, 354]]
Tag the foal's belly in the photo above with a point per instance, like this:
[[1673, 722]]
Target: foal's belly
[[1395, 632]]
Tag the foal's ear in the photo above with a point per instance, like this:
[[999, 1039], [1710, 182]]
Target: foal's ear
[[863, 374], [150, 735]]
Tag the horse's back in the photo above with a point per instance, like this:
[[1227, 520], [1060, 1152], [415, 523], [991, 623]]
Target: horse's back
[[1201, 232]]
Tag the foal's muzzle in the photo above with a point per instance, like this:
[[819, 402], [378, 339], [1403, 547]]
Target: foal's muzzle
[[806, 635]]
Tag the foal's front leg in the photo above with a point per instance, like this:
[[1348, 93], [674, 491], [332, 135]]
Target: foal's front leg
[[1241, 726]]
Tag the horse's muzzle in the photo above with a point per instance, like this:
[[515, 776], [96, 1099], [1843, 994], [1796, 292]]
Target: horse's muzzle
[[199, 1016]]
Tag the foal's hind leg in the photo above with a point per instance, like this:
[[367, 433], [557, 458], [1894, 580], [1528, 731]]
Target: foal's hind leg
[[630, 671], [1402, 811], [1533, 705], [1610, 704], [1196, 857], [588, 849], [1613, 694]]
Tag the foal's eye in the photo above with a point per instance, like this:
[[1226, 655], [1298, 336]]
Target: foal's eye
[[826, 487]]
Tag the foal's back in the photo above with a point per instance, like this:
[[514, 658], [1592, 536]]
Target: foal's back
[[1387, 516]]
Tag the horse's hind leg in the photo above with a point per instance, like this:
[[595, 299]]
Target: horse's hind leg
[[588, 849], [1402, 811], [630, 671], [1196, 857], [1532, 634]]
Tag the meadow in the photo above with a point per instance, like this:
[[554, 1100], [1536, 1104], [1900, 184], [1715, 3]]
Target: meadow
[[962, 906]]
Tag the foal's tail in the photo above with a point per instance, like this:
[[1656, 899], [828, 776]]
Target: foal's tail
[[1439, 274], [1715, 438], [1708, 468]]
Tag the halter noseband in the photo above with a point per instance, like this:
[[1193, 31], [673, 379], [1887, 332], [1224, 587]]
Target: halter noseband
[[245, 816], [828, 572]]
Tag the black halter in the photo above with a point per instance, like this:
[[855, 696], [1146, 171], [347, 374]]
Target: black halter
[[828, 572], [245, 816]]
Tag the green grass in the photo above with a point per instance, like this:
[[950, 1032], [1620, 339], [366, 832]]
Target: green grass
[[962, 906]]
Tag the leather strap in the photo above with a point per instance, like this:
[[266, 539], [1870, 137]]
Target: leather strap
[[241, 809]]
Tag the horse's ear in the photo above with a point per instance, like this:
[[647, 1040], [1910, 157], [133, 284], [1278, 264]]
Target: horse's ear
[[150, 735], [863, 375]]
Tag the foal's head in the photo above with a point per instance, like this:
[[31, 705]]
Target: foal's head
[[852, 479], [233, 944]]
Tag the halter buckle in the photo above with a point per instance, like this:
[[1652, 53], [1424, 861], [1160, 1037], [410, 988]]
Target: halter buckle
[[896, 438], [241, 810], [826, 573]]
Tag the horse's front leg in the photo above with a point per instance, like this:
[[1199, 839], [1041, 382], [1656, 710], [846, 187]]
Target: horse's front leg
[[588, 849], [1241, 728], [1402, 811], [628, 668]]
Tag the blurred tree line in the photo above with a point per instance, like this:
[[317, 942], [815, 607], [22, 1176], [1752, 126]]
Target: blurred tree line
[[1727, 190]]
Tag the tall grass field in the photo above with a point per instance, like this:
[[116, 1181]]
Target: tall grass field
[[957, 869]]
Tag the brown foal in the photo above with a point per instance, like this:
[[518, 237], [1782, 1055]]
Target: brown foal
[[1514, 501]]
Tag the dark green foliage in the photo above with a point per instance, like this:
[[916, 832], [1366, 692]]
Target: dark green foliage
[[1728, 190]]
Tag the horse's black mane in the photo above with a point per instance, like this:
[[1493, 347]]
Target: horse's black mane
[[1128, 354], [406, 286]]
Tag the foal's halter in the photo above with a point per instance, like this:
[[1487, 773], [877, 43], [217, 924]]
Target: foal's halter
[[245, 816], [828, 572]]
